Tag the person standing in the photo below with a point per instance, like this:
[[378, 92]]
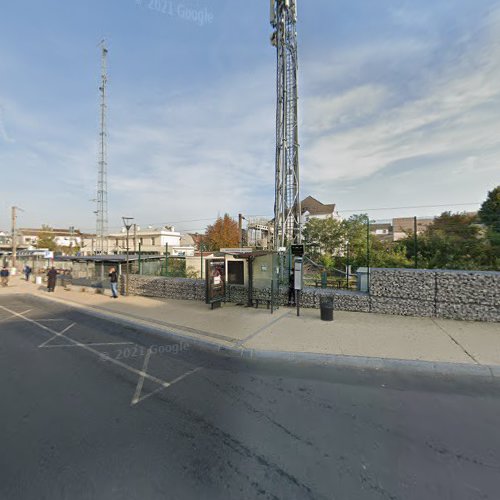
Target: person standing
[[52, 278], [4, 274], [27, 272], [113, 279]]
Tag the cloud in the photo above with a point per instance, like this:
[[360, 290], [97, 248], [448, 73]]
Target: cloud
[[455, 113]]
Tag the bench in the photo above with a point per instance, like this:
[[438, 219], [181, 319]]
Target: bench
[[267, 301]]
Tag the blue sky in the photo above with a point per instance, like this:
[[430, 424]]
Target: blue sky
[[399, 106]]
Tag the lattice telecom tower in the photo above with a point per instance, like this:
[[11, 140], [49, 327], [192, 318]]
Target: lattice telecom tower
[[286, 196], [102, 176]]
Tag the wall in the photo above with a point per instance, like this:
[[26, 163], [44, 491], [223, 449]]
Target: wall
[[465, 295]]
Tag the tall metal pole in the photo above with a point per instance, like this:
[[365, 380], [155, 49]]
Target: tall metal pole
[[127, 227], [415, 241], [287, 209], [14, 236], [126, 285], [102, 244], [140, 257], [166, 259], [368, 251], [240, 229], [201, 258]]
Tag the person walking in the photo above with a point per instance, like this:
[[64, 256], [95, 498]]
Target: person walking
[[4, 275], [27, 272], [113, 279], [52, 278]]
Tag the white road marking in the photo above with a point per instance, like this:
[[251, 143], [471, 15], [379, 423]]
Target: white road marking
[[140, 382], [13, 316], [88, 343], [178, 379], [163, 383], [58, 334]]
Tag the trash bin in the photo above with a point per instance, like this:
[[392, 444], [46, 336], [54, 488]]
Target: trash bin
[[326, 308]]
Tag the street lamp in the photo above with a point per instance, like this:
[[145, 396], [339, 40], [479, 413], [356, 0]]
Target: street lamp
[[128, 225], [347, 262]]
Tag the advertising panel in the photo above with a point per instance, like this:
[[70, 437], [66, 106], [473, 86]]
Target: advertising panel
[[215, 280]]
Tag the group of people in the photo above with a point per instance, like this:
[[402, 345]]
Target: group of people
[[52, 278]]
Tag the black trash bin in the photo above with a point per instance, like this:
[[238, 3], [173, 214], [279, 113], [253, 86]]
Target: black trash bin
[[326, 308]]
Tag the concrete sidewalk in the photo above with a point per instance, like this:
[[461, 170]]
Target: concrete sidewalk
[[356, 335]]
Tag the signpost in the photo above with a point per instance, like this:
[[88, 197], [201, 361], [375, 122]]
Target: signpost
[[298, 250], [215, 277]]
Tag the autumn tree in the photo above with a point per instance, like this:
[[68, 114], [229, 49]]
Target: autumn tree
[[224, 233]]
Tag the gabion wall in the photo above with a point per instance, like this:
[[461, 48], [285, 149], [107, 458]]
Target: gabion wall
[[466, 295]]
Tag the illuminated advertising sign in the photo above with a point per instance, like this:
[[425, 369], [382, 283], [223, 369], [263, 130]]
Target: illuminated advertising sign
[[215, 280]]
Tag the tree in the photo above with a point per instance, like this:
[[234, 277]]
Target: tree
[[46, 238], [452, 241], [323, 236], [224, 233], [489, 213]]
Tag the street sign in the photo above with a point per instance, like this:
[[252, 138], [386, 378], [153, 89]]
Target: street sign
[[298, 250]]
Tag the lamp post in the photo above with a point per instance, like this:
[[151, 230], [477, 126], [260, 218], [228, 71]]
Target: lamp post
[[128, 225], [347, 262], [201, 257]]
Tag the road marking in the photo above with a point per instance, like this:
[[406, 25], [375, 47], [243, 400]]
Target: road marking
[[58, 334], [51, 319], [163, 383], [178, 379], [88, 343], [140, 382], [13, 316]]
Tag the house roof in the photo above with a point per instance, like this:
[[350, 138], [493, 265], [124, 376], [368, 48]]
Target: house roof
[[315, 207]]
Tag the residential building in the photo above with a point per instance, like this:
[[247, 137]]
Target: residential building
[[403, 226], [314, 209], [29, 237], [383, 231], [150, 241]]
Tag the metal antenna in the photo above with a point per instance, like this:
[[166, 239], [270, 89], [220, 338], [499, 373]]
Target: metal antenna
[[287, 210], [102, 176]]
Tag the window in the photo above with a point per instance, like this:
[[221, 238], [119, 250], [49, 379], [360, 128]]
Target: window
[[153, 241]]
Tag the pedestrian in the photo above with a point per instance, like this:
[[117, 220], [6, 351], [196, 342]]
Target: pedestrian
[[27, 272], [113, 279], [52, 278], [4, 274]]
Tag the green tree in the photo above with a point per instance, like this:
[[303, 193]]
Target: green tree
[[46, 238], [452, 241], [224, 233], [489, 213], [323, 236]]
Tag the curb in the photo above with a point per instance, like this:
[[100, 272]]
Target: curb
[[338, 360]]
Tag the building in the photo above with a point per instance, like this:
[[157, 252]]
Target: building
[[149, 241], [314, 209], [383, 231], [66, 238], [403, 226]]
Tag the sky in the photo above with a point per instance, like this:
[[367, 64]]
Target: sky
[[399, 107]]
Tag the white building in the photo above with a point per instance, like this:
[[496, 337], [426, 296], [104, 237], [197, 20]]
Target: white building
[[149, 241]]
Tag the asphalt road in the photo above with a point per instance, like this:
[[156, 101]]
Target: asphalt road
[[104, 411]]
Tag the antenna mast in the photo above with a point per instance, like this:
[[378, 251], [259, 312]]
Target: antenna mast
[[102, 176], [287, 210]]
